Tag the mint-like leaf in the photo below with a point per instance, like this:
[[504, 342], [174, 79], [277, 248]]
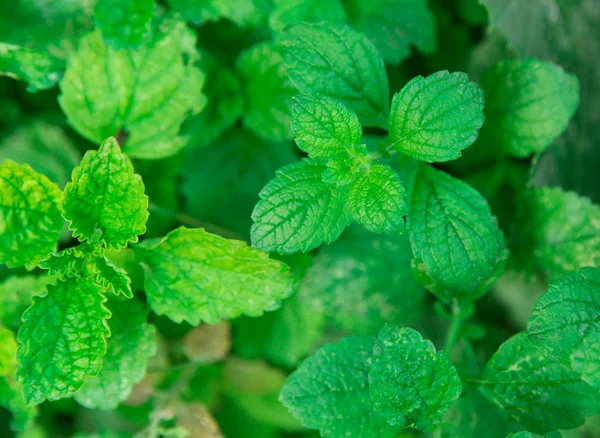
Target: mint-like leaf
[[39, 69]]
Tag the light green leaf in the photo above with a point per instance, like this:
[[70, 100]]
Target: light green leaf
[[377, 200], [39, 69], [129, 347], [362, 281], [568, 312], [244, 13], [268, 92], [105, 202], [555, 231], [340, 63], [16, 293], [300, 11], [195, 276], [454, 237], [112, 277], [330, 392], [344, 169], [528, 103], [585, 359], [298, 211], [394, 26], [124, 23], [8, 352], [140, 95], [410, 384], [536, 388], [62, 340], [323, 127], [30, 221], [434, 118], [46, 148]]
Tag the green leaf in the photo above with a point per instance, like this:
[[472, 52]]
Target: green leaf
[[244, 13], [340, 63], [330, 391], [112, 277], [114, 92], [528, 103], [362, 281], [585, 359], [30, 221], [62, 340], [298, 11], [377, 200], [195, 276], [129, 347], [39, 69], [324, 127], [124, 23], [225, 104], [394, 26], [555, 231], [8, 352], [46, 148], [454, 237], [11, 398], [16, 293], [536, 388], [410, 384], [298, 211], [105, 202], [268, 92], [434, 118], [568, 312]]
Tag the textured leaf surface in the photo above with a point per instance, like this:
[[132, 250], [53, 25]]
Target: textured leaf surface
[[536, 388], [123, 23], [145, 93], [362, 281], [395, 25], [298, 211], [330, 391], [130, 345], [39, 69], [30, 220], [298, 11], [323, 127], [195, 276], [377, 200], [528, 103], [434, 118], [105, 201], [112, 277], [411, 384], [455, 235], [558, 232], [585, 359], [340, 63], [268, 91], [62, 340]]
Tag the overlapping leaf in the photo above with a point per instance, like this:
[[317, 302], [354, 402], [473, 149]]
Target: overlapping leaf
[[39, 69]]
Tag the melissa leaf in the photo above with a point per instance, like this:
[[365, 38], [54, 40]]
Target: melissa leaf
[[432, 119], [298, 211], [298, 11], [195, 276], [340, 63], [30, 221], [105, 201], [62, 340], [39, 69]]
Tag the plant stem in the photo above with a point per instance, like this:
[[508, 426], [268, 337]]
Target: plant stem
[[453, 335]]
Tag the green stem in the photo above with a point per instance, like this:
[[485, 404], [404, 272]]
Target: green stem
[[453, 335]]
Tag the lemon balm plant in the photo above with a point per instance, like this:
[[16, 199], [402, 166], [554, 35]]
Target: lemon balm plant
[[293, 219]]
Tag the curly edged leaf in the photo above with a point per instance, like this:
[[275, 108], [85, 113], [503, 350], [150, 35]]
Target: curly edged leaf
[[195, 276], [434, 118], [324, 127], [536, 388], [528, 104], [144, 93], [455, 238], [39, 69], [377, 200], [341, 63], [298, 211], [395, 25], [130, 346], [411, 384], [62, 340], [330, 391], [30, 220], [105, 201], [124, 23], [112, 277]]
